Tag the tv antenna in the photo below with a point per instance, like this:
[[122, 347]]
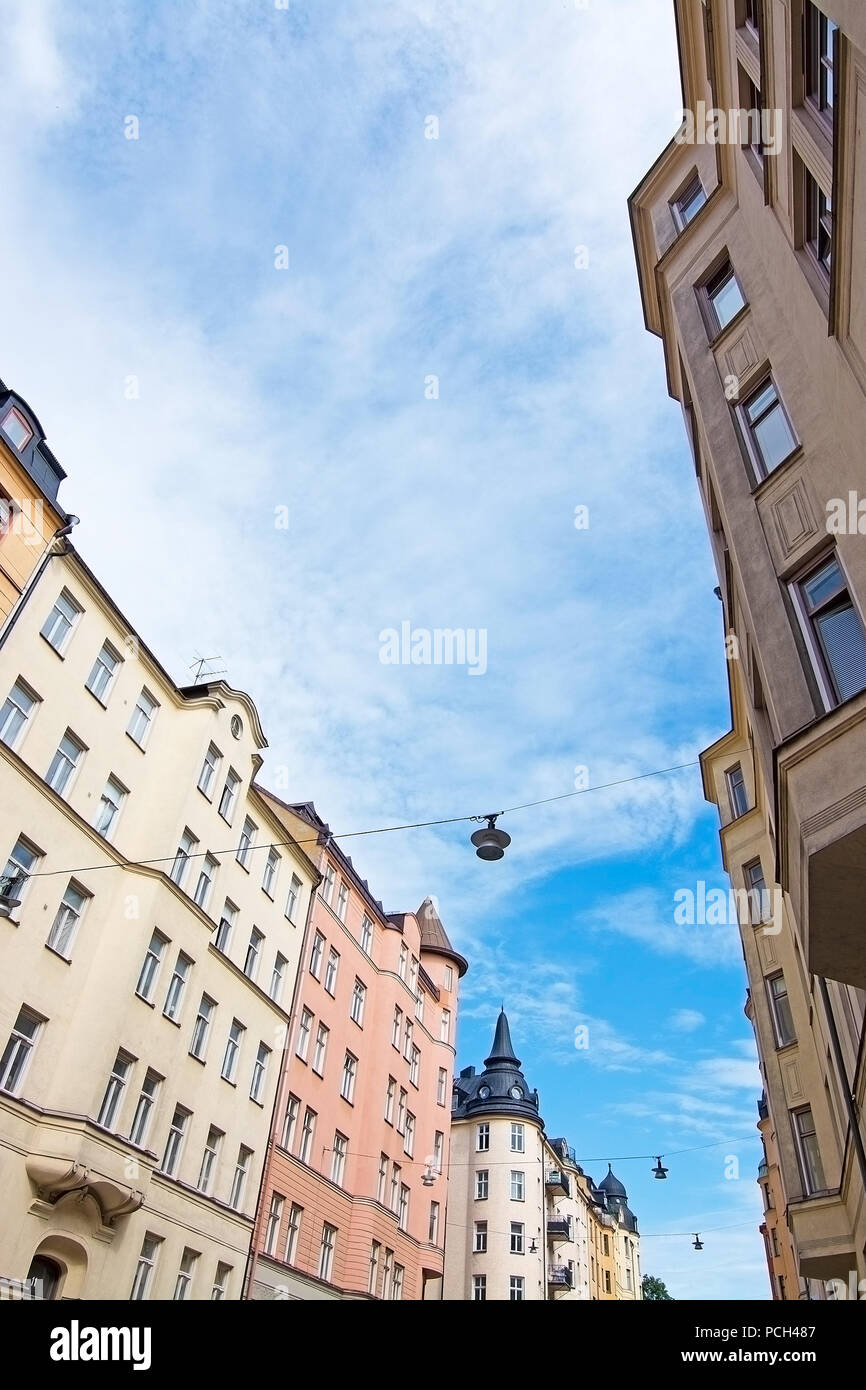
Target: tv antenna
[[201, 674]]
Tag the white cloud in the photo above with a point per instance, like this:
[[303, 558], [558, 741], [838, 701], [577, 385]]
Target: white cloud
[[686, 1020]]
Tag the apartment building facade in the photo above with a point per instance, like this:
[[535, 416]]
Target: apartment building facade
[[525, 1222], [752, 264], [353, 1201], [30, 514], [152, 910]]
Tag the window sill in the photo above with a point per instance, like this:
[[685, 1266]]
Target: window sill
[[208, 799], [59, 655], [173, 1021], [718, 337], [200, 1060], [233, 1084], [259, 1103], [67, 960], [149, 1002], [763, 484], [139, 746], [102, 703]]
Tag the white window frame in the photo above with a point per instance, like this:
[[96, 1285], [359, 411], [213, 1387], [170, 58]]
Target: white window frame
[[66, 620], [63, 768], [210, 771], [149, 717], [14, 702], [100, 666], [19, 1049], [231, 1055]]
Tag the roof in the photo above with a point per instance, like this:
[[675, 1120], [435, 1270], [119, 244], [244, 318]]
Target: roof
[[611, 1185], [434, 936], [501, 1089]]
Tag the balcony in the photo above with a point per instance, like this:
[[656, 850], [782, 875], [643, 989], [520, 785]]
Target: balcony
[[763, 1171], [763, 1109], [558, 1182], [822, 1233], [821, 815], [559, 1276], [558, 1228]]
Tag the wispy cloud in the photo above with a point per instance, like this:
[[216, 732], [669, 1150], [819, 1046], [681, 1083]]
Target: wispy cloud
[[686, 1020]]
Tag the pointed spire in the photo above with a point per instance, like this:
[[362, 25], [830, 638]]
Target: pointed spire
[[502, 1053]]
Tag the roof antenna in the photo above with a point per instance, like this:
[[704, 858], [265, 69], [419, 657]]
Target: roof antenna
[[200, 662]]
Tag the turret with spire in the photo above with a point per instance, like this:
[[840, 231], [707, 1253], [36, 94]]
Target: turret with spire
[[501, 1088]]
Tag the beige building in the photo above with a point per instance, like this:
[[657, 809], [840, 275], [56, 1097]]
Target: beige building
[[149, 947], [749, 235]]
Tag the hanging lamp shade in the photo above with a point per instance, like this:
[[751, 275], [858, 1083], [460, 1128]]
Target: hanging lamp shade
[[659, 1171], [698, 1243], [490, 843]]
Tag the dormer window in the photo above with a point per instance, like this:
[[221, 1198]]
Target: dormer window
[[16, 428]]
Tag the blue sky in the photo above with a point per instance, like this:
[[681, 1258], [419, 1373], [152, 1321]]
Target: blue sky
[[190, 388]]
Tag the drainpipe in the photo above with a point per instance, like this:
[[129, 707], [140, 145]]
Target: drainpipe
[[850, 1101]]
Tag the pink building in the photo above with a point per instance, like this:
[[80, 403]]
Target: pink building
[[353, 1197]]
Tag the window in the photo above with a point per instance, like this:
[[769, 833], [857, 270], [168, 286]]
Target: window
[[308, 1131], [278, 975], [270, 873], [103, 672], [413, 975], [759, 898], [229, 795], [65, 761], [415, 1065], [688, 203], [326, 1251], [515, 1288], [146, 1266], [433, 1224], [752, 15], [517, 1139], [482, 1138], [176, 987], [114, 1090], [737, 795], [403, 1211], [320, 1050], [144, 1108], [404, 960], [220, 1283], [60, 621], [245, 848], [292, 899], [419, 1007], [724, 298], [409, 1134], [820, 35], [65, 926], [317, 955], [479, 1288], [290, 1122], [389, 1099], [187, 847], [19, 866], [517, 1237], [445, 1026], [818, 208], [327, 888], [396, 1172], [338, 1158], [342, 899], [260, 1071], [438, 1151], [275, 1217], [482, 1184], [17, 710], [210, 1158], [359, 995], [517, 1185], [109, 807], [15, 427], [185, 1274], [607, 1287], [142, 718], [295, 1215], [401, 1111], [19, 1049], [811, 1168], [366, 934], [251, 961], [347, 1084], [209, 770], [833, 628], [223, 934], [768, 433], [386, 1272], [448, 977], [397, 1283], [780, 1007], [233, 1047], [305, 1024], [442, 1087], [382, 1179], [407, 1039], [239, 1181], [479, 1242], [331, 971], [207, 874], [373, 1276], [396, 1027], [176, 1136]]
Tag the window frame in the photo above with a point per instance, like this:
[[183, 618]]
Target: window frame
[[808, 616], [689, 190], [760, 469], [47, 630]]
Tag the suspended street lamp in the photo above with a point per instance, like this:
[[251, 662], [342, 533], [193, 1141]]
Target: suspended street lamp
[[490, 843], [698, 1243], [659, 1171]]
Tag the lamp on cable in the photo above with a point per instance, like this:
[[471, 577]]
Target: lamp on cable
[[659, 1171], [698, 1243], [490, 843]]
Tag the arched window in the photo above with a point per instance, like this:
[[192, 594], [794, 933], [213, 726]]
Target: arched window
[[45, 1275]]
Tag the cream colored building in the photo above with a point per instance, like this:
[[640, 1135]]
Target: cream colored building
[[148, 955], [523, 1218], [749, 235]]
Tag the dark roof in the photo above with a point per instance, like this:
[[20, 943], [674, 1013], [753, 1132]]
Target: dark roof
[[435, 938], [611, 1185], [35, 457], [490, 1092]]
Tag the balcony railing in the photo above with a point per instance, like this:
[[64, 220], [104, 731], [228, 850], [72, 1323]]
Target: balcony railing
[[559, 1276], [559, 1228], [763, 1171], [557, 1181]]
